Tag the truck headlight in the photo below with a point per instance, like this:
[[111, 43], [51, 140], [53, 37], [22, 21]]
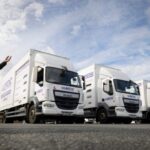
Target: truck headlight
[[80, 107]]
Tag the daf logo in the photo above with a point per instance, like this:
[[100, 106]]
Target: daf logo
[[131, 96], [67, 88]]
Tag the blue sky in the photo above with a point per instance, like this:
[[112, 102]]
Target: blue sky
[[109, 32]]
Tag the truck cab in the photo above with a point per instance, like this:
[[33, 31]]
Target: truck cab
[[110, 95], [56, 87], [59, 92], [123, 95]]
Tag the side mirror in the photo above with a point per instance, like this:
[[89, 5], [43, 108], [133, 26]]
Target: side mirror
[[107, 87], [82, 79], [40, 83]]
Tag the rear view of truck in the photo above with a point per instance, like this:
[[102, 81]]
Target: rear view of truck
[[42, 87]]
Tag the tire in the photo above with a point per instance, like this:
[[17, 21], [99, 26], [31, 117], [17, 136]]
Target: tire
[[102, 116], [31, 115]]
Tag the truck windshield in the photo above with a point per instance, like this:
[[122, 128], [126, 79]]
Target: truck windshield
[[126, 87], [61, 76]]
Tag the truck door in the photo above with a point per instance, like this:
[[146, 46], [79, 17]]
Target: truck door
[[107, 92], [39, 84]]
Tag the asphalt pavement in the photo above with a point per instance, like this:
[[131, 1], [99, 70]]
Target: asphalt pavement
[[74, 137]]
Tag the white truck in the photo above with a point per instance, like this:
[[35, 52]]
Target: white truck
[[144, 86], [42, 86], [109, 95]]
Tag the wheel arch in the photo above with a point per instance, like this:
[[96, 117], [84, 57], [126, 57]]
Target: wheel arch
[[33, 101]]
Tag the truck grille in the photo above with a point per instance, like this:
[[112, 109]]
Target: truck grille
[[131, 107], [67, 103]]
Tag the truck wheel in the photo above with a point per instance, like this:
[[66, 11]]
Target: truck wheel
[[31, 115], [102, 116]]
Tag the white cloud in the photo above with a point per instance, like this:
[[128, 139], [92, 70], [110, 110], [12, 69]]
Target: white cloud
[[147, 12], [101, 57], [93, 13], [129, 36], [124, 43], [49, 50], [14, 16], [75, 30], [103, 13], [127, 51], [9, 29], [17, 3], [56, 1], [101, 30], [137, 69], [35, 8]]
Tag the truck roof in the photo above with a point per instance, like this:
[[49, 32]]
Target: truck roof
[[100, 65], [38, 51], [105, 70], [107, 67], [138, 81]]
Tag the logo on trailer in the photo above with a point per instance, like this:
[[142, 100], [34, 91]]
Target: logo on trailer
[[108, 98], [89, 75]]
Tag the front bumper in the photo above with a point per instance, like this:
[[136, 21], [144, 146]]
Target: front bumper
[[49, 108], [121, 112]]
